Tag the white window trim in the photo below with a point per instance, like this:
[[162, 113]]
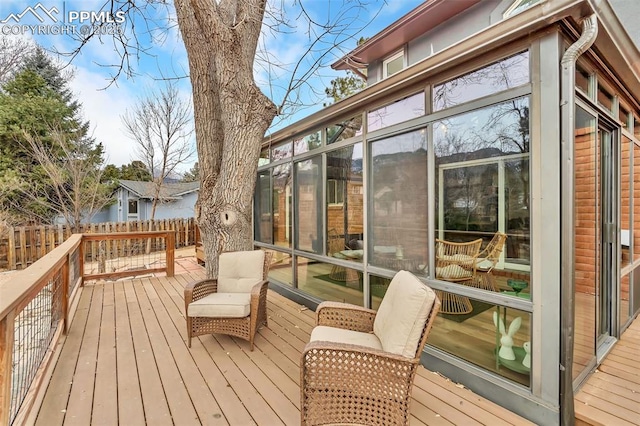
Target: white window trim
[[135, 215], [393, 57]]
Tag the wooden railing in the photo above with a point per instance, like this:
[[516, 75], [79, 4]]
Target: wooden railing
[[36, 303], [21, 246]]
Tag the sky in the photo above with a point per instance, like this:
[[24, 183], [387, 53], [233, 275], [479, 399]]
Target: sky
[[106, 98]]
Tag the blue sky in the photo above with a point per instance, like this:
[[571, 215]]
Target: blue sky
[[104, 101]]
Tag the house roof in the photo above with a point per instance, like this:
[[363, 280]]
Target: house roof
[[168, 191], [423, 18]]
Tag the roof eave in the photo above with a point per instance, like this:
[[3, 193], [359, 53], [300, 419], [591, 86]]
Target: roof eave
[[536, 18]]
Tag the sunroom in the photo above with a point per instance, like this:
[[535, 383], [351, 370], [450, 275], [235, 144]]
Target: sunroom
[[514, 147]]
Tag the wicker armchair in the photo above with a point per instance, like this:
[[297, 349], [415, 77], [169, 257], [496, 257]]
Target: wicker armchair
[[359, 365], [489, 257], [456, 261], [235, 303], [487, 260]]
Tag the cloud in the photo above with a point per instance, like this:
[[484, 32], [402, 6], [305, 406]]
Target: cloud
[[103, 109]]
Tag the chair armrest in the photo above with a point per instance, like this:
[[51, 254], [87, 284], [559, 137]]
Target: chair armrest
[[344, 315], [199, 289], [258, 290]]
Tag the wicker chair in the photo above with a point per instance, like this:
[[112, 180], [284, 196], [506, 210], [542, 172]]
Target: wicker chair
[[235, 303], [359, 365], [456, 262], [489, 257], [487, 260]]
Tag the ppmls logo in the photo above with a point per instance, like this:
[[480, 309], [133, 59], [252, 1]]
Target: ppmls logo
[[51, 21]]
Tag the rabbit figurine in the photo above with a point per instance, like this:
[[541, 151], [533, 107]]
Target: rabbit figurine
[[527, 357], [506, 341]]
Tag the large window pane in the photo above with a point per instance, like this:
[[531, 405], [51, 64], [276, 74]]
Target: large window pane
[[329, 282], [625, 200], [307, 143], [282, 151], [281, 269], [636, 202], [282, 205], [262, 207], [482, 172], [517, 211], [309, 183], [345, 203], [586, 256], [474, 336], [398, 237], [506, 74], [397, 112], [344, 130]]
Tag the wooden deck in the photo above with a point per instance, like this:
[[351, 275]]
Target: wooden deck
[[611, 396], [125, 361]]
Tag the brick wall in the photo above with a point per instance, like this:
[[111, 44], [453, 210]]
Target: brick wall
[[586, 208]]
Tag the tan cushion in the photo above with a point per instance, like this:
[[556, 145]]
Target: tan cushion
[[239, 271], [459, 257], [339, 335], [402, 314], [226, 305], [452, 272]]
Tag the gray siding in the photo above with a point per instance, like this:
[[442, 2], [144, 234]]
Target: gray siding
[[454, 30]]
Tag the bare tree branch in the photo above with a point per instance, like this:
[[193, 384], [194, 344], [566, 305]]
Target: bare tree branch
[[161, 127]]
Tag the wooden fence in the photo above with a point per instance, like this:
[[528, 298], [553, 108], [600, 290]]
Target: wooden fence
[[22, 246]]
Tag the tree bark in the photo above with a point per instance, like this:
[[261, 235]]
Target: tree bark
[[231, 116]]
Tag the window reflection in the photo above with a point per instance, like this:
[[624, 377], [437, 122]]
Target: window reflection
[[625, 200], [307, 143], [309, 183], [282, 151], [398, 229], [605, 99], [264, 157], [475, 337], [586, 258], [506, 74], [344, 130], [345, 197], [582, 80], [262, 207], [482, 172], [329, 282], [282, 206], [636, 202], [397, 112], [281, 269]]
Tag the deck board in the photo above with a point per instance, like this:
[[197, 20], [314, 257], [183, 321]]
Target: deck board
[[611, 395], [126, 361]]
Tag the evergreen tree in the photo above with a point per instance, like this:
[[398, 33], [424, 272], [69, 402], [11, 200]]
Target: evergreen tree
[[193, 174], [37, 106]]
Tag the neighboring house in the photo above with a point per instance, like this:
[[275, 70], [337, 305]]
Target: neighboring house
[[480, 116], [134, 200]]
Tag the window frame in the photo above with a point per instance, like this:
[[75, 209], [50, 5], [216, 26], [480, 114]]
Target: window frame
[[394, 56]]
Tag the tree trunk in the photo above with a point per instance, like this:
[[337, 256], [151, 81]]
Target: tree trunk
[[231, 116]]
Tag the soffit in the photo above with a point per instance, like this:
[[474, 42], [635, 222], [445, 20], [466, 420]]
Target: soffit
[[425, 17]]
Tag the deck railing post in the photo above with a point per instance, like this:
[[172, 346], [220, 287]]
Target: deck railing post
[[65, 294], [170, 256], [81, 261], [6, 370]]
